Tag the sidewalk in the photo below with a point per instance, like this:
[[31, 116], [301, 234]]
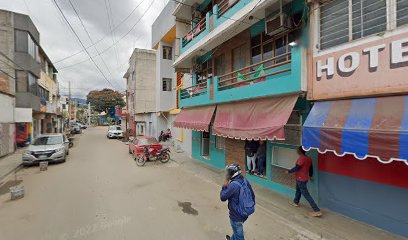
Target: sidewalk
[[330, 226], [10, 163]]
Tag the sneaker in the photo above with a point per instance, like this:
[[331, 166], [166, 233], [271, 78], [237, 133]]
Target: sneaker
[[294, 204], [227, 237], [316, 214]]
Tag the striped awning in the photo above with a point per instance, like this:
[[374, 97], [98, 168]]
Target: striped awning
[[198, 118], [369, 127]]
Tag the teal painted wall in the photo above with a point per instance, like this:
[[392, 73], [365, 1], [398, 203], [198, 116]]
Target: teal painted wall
[[216, 157], [283, 83]]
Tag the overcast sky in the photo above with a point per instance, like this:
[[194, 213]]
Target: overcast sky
[[58, 41]]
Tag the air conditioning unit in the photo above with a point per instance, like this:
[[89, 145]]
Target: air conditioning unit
[[276, 20]]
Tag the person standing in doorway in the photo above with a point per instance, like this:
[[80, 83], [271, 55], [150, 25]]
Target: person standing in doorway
[[261, 155], [303, 171], [251, 148], [241, 200]]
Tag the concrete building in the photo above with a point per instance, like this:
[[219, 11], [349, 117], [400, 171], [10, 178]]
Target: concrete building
[[358, 124], [167, 80], [20, 69], [47, 119], [141, 89], [247, 59]]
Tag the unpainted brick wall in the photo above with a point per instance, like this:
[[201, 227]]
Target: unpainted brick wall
[[235, 152]]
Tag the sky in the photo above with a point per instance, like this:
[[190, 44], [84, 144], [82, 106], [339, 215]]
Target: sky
[[100, 17]]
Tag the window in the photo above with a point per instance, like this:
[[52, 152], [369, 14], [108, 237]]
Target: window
[[368, 17], [239, 57], [219, 143], [342, 21], [220, 65], [32, 84], [402, 12], [206, 72], [205, 144], [166, 84], [25, 43], [167, 52], [264, 47], [44, 94], [284, 157]]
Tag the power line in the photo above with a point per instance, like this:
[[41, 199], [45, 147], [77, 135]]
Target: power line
[[110, 23], [90, 38], [106, 49], [100, 40], [79, 39]]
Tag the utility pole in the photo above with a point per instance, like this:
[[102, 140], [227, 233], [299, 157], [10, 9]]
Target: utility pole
[[89, 114], [69, 101]]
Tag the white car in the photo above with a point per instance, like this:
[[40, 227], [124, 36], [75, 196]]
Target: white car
[[50, 148], [114, 132]]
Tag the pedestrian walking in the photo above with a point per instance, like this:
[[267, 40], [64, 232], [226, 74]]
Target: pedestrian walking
[[303, 172], [241, 200]]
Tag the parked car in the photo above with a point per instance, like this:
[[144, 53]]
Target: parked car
[[82, 126], [136, 145], [76, 129], [49, 147], [114, 132]]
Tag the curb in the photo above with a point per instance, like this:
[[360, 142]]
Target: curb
[[16, 169]]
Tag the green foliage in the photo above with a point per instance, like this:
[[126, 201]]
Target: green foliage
[[105, 99]]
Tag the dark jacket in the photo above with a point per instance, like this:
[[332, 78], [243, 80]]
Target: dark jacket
[[261, 151], [231, 193], [251, 147]]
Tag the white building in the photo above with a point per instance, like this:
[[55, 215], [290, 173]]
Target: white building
[[167, 80]]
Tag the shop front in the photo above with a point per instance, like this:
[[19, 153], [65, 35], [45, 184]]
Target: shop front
[[359, 127], [222, 133]]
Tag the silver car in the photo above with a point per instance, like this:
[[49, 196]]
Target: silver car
[[50, 147]]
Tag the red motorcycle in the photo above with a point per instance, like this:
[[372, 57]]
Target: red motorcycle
[[152, 154]]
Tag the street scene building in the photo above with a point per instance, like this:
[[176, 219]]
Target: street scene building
[[357, 80], [204, 119]]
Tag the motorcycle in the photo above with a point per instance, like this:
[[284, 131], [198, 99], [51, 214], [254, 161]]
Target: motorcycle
[[151, 154]]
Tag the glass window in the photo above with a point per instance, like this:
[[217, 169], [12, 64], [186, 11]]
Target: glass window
[[239, 57], [167, 52], [166, 84], [219, 142], [402, 12], [220, 65], [284, 157], [334, 25], [32, 83], [281, 48], [49, 140], [21, 41], [369, 17], [256, 55]]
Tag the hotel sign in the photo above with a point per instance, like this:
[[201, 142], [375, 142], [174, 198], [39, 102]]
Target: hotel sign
[[375, 68]]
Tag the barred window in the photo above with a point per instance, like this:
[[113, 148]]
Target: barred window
[[166, 84], [402, 12], [364, 17]]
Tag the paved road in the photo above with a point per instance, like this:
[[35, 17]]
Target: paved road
[[100, 193]]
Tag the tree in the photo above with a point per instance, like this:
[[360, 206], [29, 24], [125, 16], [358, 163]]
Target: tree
[[105, 99]]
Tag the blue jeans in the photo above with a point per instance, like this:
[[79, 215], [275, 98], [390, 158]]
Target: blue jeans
[[238, 230], [261, 163], [301, 189]]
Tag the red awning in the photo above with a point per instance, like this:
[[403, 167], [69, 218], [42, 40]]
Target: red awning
[[195, 118], [254, 119]]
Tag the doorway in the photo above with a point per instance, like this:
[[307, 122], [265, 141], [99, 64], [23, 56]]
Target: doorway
[[205, 144]]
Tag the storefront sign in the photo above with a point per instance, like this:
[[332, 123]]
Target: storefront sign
[[374, 68]]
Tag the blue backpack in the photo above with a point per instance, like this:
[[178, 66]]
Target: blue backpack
[[246, 205]]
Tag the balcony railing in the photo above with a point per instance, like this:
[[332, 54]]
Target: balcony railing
[[193, 91], [225, 5], [254, 73], [199, 28]]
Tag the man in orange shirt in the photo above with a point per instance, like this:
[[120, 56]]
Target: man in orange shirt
[[303, 171]]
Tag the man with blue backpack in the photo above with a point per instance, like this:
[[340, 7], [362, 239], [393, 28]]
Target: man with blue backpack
[[241, 199]]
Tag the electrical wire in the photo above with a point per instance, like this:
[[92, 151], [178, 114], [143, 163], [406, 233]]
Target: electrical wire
[[90, 38], [100, 40], [82, 44]]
